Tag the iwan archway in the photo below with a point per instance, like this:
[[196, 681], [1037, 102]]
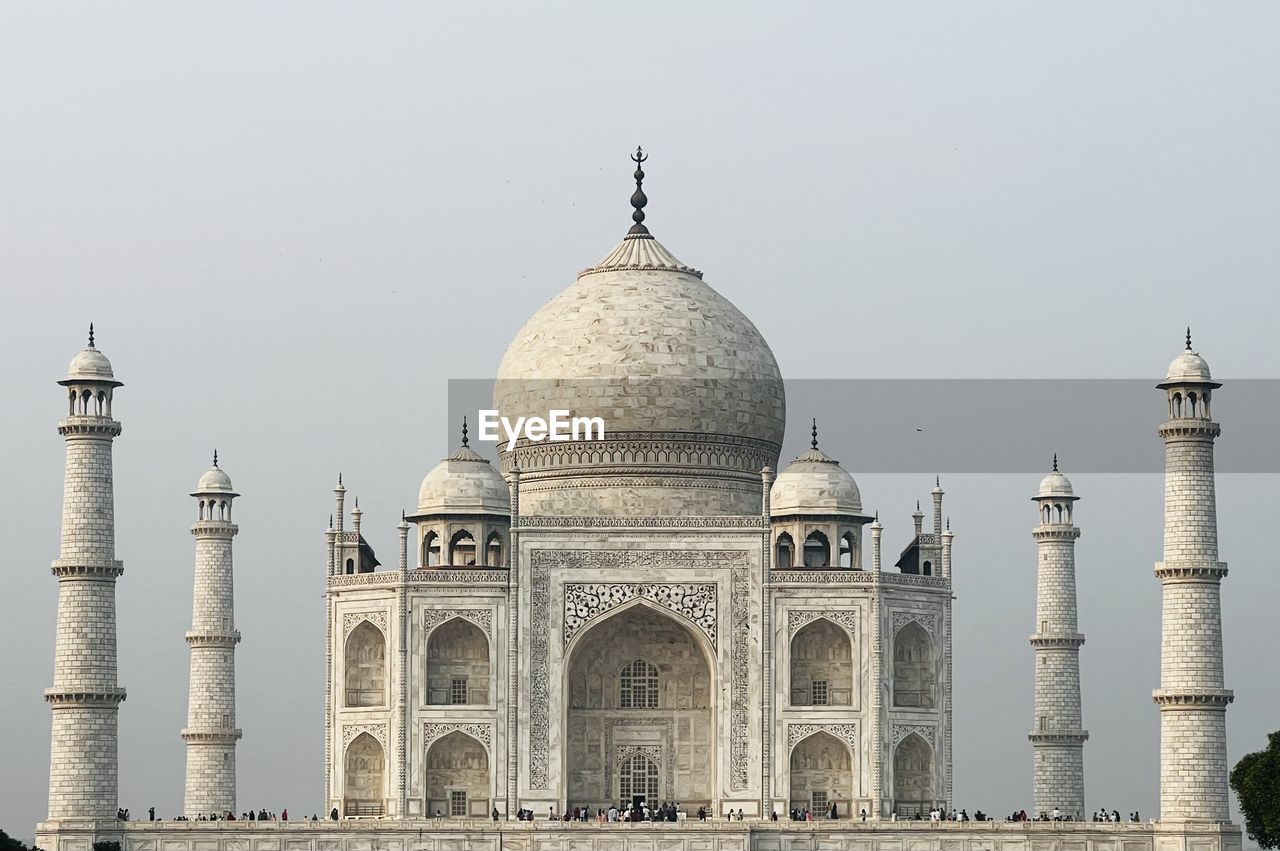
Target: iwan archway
[[639, 694]]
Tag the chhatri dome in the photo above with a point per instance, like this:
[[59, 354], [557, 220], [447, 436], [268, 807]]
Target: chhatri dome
[[1056, 484], [815, 484], [90, 365], [688, 389], [1188, 368], [464, 483], [215, 481]]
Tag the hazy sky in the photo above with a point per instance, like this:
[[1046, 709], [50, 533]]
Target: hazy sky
[[292, 223]]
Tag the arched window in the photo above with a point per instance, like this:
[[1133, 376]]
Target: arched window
[[493, 550], [821, 666], [351, 565], [462, 548], [846, 550], [817, 550], [638, 686], [366, 665], [457, 664], [913, 669], [927, 569], [786, 550], [638, 776], [430, 550]]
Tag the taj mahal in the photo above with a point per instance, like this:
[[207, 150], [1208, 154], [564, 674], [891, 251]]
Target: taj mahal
[[666, 614]]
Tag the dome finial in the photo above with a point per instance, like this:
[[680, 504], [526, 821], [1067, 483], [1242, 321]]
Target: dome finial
[[91, 335], [1188, 338], [814, 433], [464, 431], [1055, 462], [215, 457], [638, 198]]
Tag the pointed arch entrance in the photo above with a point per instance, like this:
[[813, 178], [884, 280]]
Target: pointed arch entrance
[[365, 778], [821, 775], [913, 787], [640, 711], [458, 778]]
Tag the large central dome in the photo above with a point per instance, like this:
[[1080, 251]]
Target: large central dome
[[689, 391]]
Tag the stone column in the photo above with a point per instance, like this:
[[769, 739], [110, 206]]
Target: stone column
[[85, 697], [1191, 697], [1057, 737], [211, 732]]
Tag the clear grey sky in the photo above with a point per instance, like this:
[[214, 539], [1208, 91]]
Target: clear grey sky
[[293, 222]]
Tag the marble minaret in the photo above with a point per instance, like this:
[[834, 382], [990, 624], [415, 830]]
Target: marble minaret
[[85, 698], [211, 732], [1191, 697], [1057, 737]]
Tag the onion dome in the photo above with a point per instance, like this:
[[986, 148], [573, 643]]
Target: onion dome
[[815, 484], [464, 483], [90, 365], [689, 392]]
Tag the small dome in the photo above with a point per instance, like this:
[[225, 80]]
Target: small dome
[[1056, 484], [90, 365], [1188, 368], [214, 482], [464, 483], [815, 484]]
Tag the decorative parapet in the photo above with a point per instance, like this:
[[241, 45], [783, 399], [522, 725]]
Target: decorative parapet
[[849, 576], [753, 522], [465, 577]]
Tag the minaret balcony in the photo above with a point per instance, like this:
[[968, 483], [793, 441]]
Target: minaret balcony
[[212, 735], [101, 697], [1208, 698], [82, 425], [1058, 737], [1056, 639], [1189, 427], [1191, 571], [71, 567], [214, 639], [1055, 532]]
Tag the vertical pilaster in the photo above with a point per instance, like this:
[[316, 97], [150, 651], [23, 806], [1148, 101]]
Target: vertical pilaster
[[876, 676], [1192, 697], [402, 690], [85, 697], [947, 785], [513, 647], [769, 689]]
